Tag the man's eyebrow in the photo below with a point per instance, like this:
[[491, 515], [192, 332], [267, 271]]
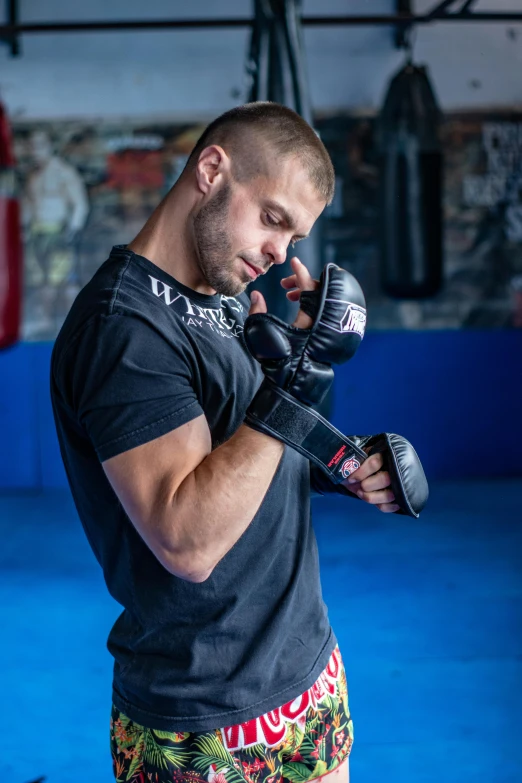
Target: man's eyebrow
[[287, 217]]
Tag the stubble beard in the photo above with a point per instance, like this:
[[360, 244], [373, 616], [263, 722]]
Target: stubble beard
[[213, 247]]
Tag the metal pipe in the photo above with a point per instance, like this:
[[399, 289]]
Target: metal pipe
[[12, 15], [466, 8], [311, 21], [402, 33], [440, 9]]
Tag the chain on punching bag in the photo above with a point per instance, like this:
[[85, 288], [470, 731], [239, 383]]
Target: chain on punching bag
[[276, 68], [10, 241], [411, 186], [275, 61]]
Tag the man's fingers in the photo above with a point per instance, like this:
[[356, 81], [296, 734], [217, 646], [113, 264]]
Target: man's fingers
[[376, 498], [257, 303], [388, 508], [368, 468], [304, 282], [301, 280], [292, 292], [289, 282], [293, 296], [372, 485], [380, 480], [304, 279]]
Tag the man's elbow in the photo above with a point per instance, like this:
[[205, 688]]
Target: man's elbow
[[195, 576], [186, 566]]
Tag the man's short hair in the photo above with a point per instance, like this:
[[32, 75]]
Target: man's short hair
[[254, 133]]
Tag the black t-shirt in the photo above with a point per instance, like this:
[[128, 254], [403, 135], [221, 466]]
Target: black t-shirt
[[139, 355]]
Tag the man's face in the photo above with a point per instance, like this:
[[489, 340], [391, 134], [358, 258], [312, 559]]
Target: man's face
[[40, 147], [246, 227]]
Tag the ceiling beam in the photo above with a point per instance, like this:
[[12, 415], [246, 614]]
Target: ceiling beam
[[10, 30]]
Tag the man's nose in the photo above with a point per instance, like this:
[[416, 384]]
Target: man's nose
[[276, 251]]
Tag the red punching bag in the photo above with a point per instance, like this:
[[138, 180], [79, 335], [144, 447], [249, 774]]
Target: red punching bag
[[10, 241]]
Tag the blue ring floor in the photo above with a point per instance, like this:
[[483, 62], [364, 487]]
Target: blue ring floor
[[428, 614]]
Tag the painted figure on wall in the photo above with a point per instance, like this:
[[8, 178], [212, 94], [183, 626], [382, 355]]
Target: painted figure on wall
[[55, 208], [86, 187]]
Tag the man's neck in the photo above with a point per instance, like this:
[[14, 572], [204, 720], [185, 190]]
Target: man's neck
[[166, 240]]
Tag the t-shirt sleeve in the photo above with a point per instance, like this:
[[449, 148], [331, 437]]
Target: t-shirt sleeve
[[127, 384]]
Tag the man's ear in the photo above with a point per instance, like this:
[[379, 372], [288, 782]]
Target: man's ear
[[213, 163]]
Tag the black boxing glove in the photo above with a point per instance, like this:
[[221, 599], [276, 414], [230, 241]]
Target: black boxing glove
[[407, 479], [298, 373], [299, 361]]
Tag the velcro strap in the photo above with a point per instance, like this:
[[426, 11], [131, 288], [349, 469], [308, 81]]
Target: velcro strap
[[277, 413]]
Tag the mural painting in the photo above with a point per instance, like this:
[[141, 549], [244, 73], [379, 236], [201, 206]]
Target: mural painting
[[87, 187]]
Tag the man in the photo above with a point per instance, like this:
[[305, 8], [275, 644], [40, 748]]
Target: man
[[226, 667]]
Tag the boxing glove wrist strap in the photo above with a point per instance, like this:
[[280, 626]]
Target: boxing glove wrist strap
[[282, 416]]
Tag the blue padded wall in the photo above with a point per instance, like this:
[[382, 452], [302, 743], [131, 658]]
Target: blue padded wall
[[19, 427], [456, 395]]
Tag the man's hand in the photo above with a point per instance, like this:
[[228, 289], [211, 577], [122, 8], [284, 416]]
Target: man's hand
[[257, 303], [301, 280], [372, 484]]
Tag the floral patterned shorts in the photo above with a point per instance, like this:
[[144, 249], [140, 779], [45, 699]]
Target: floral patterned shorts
[[300, 741]]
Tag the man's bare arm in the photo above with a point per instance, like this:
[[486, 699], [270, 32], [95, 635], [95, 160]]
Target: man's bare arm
[[190, 504]]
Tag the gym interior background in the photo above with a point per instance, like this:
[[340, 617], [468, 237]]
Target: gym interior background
[[428, 614]]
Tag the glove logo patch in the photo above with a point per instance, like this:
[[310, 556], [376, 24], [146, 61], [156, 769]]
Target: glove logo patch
[[353, 320], [349, 466]]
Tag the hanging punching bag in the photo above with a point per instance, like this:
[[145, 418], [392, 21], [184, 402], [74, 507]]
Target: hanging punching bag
[[10, 241], [411, 186]]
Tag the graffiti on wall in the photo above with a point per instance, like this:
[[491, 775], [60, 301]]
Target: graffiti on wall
[[482, 223], [84, 189], [87, 187]]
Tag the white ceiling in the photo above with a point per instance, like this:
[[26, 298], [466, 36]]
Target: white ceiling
[[199, 73]]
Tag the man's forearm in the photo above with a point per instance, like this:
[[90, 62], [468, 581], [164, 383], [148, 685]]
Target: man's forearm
[[215, 504]]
